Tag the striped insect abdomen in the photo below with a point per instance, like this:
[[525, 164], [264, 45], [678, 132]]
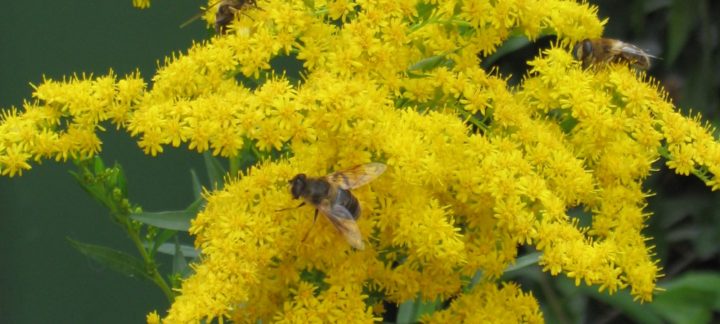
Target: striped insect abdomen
[[346, 199]]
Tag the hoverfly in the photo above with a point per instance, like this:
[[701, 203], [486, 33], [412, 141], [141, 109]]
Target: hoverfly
[[331, 196], [225, 13], [606, 50]]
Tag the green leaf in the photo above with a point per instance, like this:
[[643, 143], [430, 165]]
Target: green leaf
[[113, 259], [180, 265], [691, 297], [405, 312], [473, 281], [161, 238], [623, 301], [510, 45], [247, 157], [178, 220], [411, 311], [682, 20], [98, 165], [96, 191], [685, 305], [187, 250], [524, 261], [426, 308], [215, 170], [196, 206], [428, 63], [196, 185], [424, 10]]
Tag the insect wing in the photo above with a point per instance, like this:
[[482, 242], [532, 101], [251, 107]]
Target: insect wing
[[356, 176], [632, 49], [634, 55], [341, 218]]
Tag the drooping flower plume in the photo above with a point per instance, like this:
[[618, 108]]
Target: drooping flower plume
[[476, 168]]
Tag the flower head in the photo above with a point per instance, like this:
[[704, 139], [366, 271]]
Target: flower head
[[475, 167]]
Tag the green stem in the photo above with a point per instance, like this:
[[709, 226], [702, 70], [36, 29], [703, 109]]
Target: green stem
[[701, 174], [98, 178], [258, 155], [150, 264], [552, 299], [469, 117], [234, 164]]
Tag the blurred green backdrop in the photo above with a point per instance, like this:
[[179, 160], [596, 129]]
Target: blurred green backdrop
[[42, 278]]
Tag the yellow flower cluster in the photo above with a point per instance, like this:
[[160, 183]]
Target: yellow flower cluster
[[141, 4], [64, 119], [490, 304], [475, 168]]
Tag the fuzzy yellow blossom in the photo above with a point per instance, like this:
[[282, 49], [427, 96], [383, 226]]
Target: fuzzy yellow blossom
[[475, 168], [141, 4], [153, 318], [64, 119], [488, 303]]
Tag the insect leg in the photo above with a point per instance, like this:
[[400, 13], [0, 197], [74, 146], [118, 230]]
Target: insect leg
[[311, 226], [284, 209]]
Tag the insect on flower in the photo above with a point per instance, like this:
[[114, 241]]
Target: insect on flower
[[332, 197], [606, 50], [225, 13]]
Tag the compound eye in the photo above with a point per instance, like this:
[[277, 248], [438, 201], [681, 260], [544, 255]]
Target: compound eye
[[577, 51], [298, 185], [586, 48]]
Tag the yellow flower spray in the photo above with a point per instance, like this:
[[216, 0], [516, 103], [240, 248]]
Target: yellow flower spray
[[475, 168]]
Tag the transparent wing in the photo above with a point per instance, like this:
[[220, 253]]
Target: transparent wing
[[341, 218], [356, 176], [623, 47]]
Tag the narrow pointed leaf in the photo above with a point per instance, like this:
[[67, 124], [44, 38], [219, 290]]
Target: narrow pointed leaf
[[623, 301], [215, 170], [113, 259], [691, 298], [512, 44], [196, 184], [187, 250], [180, 265], [405, 312], [196, 206], [428, 63], [177, 220], [96, 191], [161, 238], [98, 165], [524, 261]]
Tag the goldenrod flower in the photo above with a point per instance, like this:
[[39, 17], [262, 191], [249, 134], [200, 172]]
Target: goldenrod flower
[[153, 318], [475, 168], [487, 303], [141, 4]]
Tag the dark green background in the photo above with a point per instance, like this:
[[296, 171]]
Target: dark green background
[[42, 278]]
